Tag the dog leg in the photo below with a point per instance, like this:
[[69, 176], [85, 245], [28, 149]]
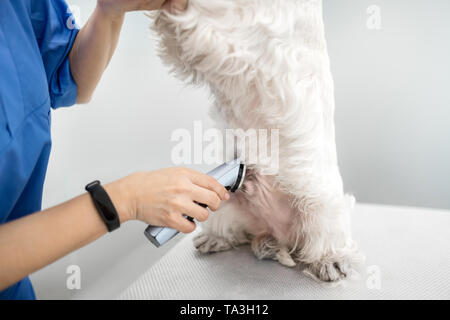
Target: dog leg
[[326, 247], [223, 230]]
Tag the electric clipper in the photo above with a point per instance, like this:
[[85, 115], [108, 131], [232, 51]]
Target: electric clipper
[[230, 175]]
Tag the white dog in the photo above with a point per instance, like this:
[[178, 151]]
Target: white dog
[[267, 66]]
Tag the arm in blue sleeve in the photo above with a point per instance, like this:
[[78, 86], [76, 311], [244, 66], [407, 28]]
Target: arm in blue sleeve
[[56, 33]]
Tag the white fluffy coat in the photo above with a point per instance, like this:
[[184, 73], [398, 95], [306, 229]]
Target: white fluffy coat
[[267, 66]]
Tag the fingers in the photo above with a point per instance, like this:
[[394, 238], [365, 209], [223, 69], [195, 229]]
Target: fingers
[[189, 207], [179, 222], [206, 196], [209, 183], [197, 212]]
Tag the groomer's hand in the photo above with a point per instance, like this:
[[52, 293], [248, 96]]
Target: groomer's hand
[[119, 7], [162, 197]]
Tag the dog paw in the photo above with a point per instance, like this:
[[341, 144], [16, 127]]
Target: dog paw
[[284, 258], [267, 247], [210, 243], [331, 270]]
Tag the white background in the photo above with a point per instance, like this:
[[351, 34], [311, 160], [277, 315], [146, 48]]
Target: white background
[[392, 119]]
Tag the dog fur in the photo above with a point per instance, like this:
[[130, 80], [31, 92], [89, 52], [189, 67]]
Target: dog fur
[[267, 66]]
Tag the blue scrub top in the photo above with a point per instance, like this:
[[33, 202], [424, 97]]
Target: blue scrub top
[[35, 39]]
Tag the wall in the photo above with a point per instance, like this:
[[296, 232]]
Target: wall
[[393, 102]]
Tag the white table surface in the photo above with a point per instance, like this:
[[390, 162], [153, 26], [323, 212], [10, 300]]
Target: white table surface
[[407, 257]]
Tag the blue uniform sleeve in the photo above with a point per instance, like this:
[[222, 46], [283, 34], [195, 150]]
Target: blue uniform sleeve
[[55, 32]]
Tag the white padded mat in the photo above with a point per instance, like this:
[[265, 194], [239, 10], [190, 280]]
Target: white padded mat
[[407, 257]]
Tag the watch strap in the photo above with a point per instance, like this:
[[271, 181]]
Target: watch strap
[[104, 205]]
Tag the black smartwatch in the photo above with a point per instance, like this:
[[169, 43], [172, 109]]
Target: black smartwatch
[[104, 205]]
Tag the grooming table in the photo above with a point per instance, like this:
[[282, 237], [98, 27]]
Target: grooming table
[[407, 257]]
